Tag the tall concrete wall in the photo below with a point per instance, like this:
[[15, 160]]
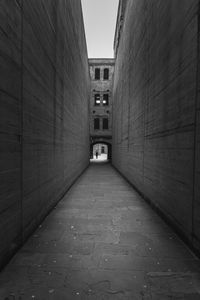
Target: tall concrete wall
[[155, 108], [44, 90]]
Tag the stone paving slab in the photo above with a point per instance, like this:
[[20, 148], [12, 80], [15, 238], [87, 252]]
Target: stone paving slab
[[102, 241]]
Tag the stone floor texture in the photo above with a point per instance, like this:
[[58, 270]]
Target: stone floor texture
[[102, 241]]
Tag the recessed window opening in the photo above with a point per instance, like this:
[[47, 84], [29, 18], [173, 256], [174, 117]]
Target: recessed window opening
[[106, 74], [105, 123], [96, 124], [97, 100], [105, 99], [97, 73]]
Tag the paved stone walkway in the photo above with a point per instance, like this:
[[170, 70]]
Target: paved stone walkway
[[102, 242]]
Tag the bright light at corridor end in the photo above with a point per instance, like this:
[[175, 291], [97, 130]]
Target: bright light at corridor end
[[100, 21]]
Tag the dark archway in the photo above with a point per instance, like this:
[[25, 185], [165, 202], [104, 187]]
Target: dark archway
[[101, 142]]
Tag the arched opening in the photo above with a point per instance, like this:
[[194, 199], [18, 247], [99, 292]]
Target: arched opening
[[100, 151]]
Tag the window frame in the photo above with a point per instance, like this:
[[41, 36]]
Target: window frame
[[98, 122], [107, 122], [106, 99], [97, 97], [97, 71], [106, 74]]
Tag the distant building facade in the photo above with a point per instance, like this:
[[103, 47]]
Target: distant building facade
[[101, 74]]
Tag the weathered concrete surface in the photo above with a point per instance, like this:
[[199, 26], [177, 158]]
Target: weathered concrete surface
[[44, 90], [197, 156], [10, 124], [102, 241], [155, 110]]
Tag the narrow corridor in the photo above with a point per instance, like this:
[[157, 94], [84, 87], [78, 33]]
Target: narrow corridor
[[102, 241]]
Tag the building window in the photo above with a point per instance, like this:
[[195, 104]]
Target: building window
[[97, 73], [105, 123], [97, 100], [96, 124], [106, 74], [105, 99]]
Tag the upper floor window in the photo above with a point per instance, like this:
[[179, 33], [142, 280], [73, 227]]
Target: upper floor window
[[97, 100], [105, 123], [96, 124], [106, 74], [105, 99], [97, 73]]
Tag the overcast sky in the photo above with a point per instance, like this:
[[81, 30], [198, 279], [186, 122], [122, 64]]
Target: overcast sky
[[100, 20]]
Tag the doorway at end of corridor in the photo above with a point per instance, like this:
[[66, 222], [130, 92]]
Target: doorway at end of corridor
[[99, 153]]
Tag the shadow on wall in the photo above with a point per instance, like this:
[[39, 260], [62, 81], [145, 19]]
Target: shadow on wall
[[156, 128], [44, 112]]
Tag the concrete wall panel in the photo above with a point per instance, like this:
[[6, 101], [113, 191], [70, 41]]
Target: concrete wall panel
[[196, 208], [10, 124], [44, 90], [154, 105]]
